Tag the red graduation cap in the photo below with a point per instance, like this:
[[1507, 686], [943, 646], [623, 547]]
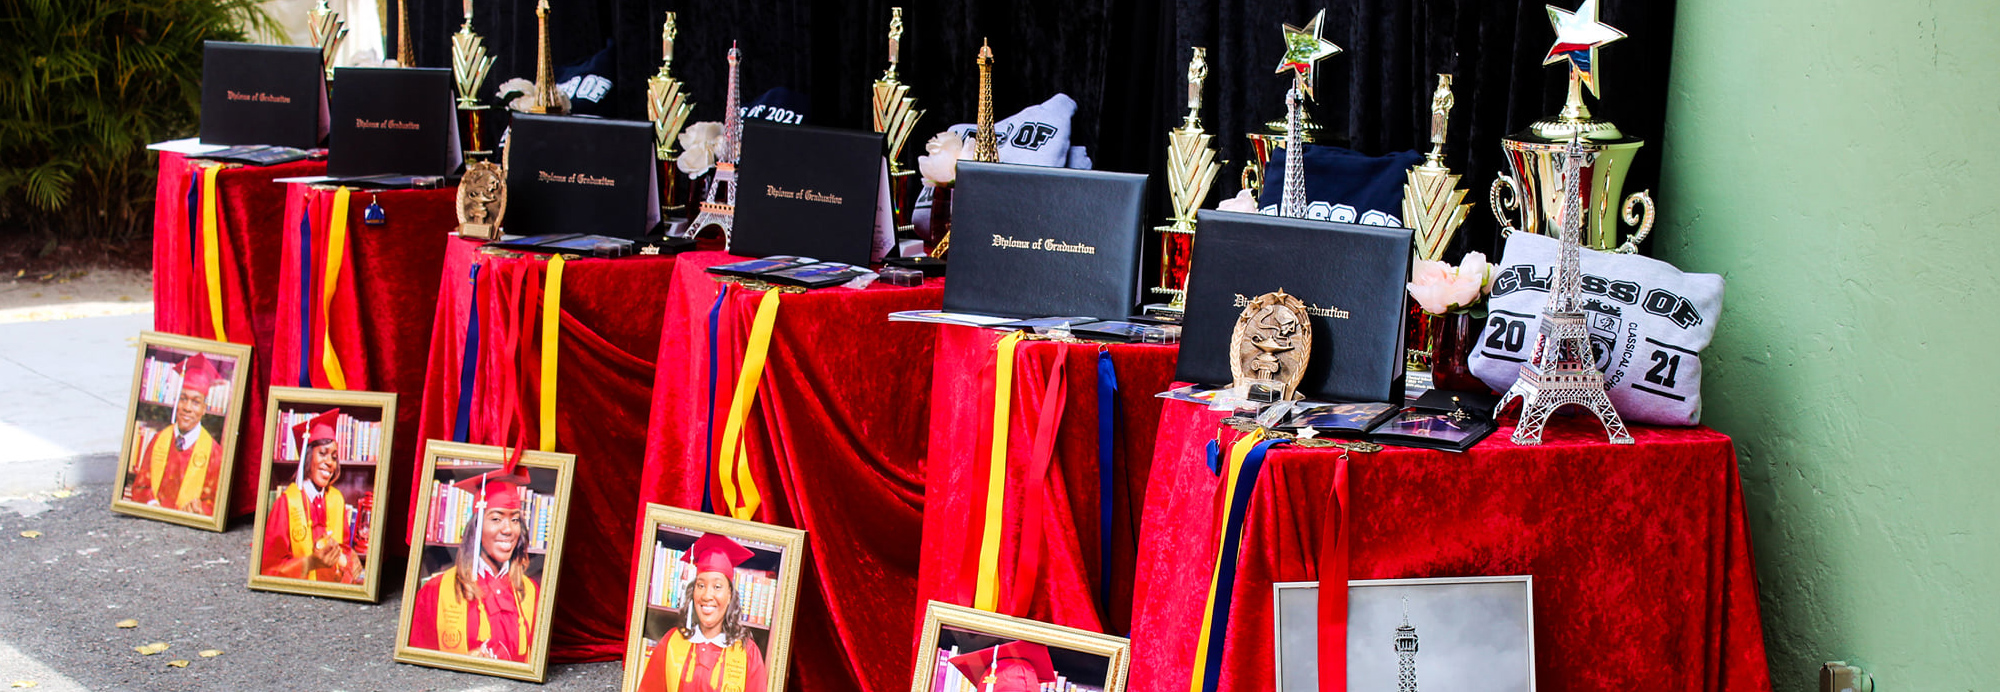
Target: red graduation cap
[[494, 490], [714, 552], [975, 665], [320, 427], [198, 374]]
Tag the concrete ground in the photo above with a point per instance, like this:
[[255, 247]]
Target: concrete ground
[[73, 569]]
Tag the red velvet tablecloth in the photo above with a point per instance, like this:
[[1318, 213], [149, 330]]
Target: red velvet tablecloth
[[384, 300], [1640, 554], [611, 311], [1062, 585], [835, 443], [248, 245]]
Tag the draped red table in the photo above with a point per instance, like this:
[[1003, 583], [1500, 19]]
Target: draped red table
[[835, 443], [375, 328], [611, 311], [1640, 553], [249, 207], [1062, 583]]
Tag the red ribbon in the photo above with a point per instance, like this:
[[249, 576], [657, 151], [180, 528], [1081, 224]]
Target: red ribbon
[[1333, 549]]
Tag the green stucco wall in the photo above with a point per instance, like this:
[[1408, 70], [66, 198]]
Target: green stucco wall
[[1839, 162]]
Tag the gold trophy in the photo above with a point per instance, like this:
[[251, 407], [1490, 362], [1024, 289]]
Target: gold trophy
[[1303, 50], [1431, 196], [1535, 155], [1276, 131], [327, 30], [548, 100], [469, 65], [895, 117], [1191, 171], [667, 106]]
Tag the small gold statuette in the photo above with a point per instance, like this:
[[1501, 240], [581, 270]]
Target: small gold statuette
[[1191, 171], [327, 30], [667, 106], [1431, 198], [482, 200], [1535, 154], [895, 113], [985, 141], [548, 99], [469, 62], [1269, 348]]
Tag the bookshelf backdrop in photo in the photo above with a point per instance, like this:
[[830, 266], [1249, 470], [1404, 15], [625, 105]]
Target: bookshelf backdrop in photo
[[160, 383], [355, 439], [756, 589], [452, 507]]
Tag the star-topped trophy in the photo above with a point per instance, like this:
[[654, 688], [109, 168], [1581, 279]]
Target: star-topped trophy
[[1533, 155], [327, 30], [895, 117], [469, 66], [1303, 49], [667, 106], [1276, 131], [1191, 171]]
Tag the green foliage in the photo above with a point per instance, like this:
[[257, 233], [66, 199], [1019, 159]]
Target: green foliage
[[85, 85]]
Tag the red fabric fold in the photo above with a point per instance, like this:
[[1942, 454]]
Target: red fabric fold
[[248, 252], [1064, 587], [835, 443], [1641, 561]]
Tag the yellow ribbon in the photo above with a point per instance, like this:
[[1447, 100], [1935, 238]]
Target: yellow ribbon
[[336, 244], [1237, 453], [733, 460], [986, 596], [211, 254], [551, 339]]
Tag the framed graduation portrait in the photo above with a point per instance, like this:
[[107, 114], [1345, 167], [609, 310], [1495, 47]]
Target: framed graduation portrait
[[965, 649], [712, 609], [180, 430], [1443, 633], [326, 466], [485, 553]]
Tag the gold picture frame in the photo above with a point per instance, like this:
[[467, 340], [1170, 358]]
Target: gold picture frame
[[364, 425], [544, 500], [773, 602], [155, 405], [945, 624]]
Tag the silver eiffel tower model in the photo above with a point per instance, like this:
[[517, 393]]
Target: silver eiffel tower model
[[1562, 370], [719, 209]]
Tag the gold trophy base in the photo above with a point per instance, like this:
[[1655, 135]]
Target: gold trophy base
[[481, 231]]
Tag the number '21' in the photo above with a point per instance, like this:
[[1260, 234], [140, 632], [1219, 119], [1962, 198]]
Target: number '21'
[[1665, 368]]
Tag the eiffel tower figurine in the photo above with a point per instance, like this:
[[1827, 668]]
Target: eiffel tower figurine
[[715, 211], [1562, 370]]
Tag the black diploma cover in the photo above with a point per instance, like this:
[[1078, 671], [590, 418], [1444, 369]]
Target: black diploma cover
[[253, 94], [393, 120], [569, 174], [1352, 278], [807, 191], [1029, 241]]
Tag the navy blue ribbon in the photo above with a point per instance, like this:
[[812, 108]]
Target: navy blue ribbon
[[708, 448], [305, 294], [468, 366], [1232, 542], [1107, 497], [194, 217]]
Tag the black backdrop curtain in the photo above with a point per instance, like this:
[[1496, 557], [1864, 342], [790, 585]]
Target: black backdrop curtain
[[1124, 61]]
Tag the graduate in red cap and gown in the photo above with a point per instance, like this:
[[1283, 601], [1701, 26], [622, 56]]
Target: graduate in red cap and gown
[[484, 604], [178, 466], [1009, 667], [305, 534], [711, 651]]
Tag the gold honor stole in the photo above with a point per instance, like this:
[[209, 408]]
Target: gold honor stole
[[732, 676], [300, 529], [451, 617], [197, 469], [551, 343], [732, 460], [336, 247]]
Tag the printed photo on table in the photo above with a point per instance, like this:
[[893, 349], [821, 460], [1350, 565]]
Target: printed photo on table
[[967, 650], [180, 434], [485, 553], [1435, 634], [712, 610], [326, 465]]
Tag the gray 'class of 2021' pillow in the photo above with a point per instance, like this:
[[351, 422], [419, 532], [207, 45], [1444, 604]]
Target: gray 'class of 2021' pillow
[[1648, 324]]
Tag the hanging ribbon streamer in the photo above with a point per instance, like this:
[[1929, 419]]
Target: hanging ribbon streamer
[[211, 251], [468, 365], [1334, 544], [1246, 462], [305, 291], [551, 343], [986, 594], [733, 460], [336, 244], [1107, 496], [708, 442], [1026, 573]]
